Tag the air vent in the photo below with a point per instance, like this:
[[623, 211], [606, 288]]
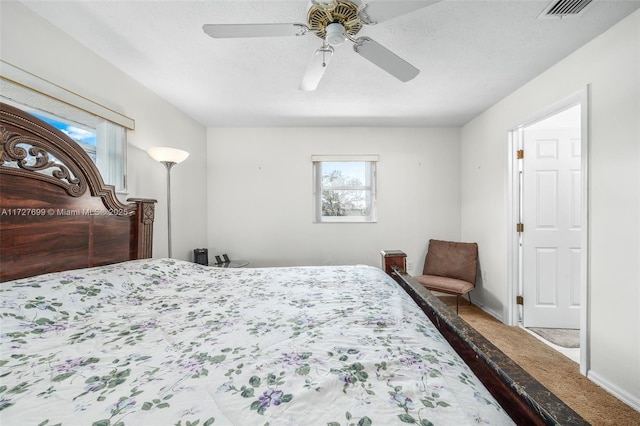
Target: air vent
[[562, 9]]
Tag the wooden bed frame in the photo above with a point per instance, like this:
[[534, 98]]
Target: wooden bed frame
[[525, 399], [56, 213]]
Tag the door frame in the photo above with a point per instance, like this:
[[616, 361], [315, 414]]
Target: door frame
[[513, 311]]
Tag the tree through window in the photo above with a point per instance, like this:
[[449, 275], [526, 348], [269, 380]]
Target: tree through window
[[345, 188]]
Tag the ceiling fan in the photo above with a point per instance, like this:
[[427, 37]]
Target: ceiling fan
[[335, 22]]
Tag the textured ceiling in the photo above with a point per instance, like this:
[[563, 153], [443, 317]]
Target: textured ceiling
[[471, 54]]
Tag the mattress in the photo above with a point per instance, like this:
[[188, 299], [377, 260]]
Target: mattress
[[155, 342]]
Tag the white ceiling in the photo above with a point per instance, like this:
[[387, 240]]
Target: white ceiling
[[471, 54]]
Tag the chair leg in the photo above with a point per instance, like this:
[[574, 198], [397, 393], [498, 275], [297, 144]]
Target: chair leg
[[457, 298], [469, 294]]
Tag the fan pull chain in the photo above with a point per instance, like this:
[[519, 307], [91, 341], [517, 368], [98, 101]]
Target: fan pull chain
[[326, 48]]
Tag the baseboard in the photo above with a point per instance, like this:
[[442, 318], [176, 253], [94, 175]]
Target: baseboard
[[614, 390], [463, 300], [491, 312]]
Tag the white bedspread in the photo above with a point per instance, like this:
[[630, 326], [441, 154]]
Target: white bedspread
[[166, 342]]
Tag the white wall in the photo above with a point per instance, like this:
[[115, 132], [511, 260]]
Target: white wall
[[31, 43], [260, 199], [610, 64]]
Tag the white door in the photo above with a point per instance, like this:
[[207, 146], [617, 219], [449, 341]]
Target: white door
[[551, 214]]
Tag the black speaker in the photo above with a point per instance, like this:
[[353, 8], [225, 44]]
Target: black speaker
[[201, 256]]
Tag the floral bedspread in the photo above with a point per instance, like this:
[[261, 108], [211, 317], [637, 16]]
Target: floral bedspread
[[166, 342]]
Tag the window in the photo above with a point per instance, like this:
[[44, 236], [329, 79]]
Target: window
[[99, 131], [345, 188]]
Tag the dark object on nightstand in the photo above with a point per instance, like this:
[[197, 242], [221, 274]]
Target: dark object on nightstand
[[201, 256]]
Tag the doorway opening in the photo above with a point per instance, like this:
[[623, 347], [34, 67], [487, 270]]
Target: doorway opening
[[548, 227]]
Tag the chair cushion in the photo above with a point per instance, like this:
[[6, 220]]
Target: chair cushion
[[452, 259], [444, 284]]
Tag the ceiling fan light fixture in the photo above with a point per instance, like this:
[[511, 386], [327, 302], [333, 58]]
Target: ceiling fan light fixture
[[335, 34]]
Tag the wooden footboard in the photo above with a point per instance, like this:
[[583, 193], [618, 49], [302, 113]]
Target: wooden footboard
[[525, 399]]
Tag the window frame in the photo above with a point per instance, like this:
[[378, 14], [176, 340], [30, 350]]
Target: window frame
[[34, 88], [371, 161]]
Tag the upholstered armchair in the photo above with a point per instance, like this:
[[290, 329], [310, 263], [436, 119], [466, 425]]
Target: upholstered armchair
[[450, 267]]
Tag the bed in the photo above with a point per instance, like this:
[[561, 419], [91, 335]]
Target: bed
[[94, 331]]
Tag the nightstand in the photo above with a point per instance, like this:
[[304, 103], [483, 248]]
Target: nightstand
[[392, 258], [230, 264]]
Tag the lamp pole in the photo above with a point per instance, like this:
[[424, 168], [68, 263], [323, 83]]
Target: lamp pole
[[169, 157], [169, 165]]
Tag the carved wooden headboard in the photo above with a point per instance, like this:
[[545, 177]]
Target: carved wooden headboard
[[56, 213]]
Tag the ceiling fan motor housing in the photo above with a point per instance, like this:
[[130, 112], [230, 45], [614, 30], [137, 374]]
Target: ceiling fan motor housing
[[335, 34], [343, 12]]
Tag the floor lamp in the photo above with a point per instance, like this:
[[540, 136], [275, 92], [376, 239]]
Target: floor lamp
[[169, 157]]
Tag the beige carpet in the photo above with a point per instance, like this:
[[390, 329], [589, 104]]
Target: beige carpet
[[547, 365]]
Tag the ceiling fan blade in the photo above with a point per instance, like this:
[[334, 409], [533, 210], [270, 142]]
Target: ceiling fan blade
[[254, 30], [385, 59], [380, 11], [316, 68]]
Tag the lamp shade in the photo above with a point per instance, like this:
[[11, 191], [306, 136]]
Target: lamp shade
[[169, 155]]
